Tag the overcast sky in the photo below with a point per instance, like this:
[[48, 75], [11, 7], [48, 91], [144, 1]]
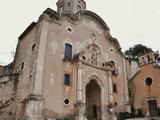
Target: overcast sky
[[130, 21]]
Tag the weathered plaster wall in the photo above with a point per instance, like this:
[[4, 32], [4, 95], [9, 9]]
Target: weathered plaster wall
[[80, 37]]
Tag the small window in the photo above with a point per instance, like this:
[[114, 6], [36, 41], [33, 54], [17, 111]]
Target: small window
[[115, 88], [33, 46], [67, 79], [68, 51], [111, 50], [148, 81], [130, 62], [69, 29], [22, 66], [66, 101]]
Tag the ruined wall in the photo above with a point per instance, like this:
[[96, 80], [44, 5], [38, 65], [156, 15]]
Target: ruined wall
[[23, 66], [8, 89]]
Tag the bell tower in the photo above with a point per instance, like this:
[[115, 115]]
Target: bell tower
[[70, 7]]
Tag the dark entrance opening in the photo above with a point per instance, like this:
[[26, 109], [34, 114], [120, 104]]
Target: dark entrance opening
[[93, 101], [152, 105]]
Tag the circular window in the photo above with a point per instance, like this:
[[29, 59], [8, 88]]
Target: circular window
[[148, 81], [66, 101], [69, 29]]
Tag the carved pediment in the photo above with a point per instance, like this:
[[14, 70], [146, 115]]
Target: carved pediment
[[91, 55]]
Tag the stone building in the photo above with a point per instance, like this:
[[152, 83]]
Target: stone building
[[145, 86], [67, 64]]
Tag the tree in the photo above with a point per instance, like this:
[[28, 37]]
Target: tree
[[136, 50]]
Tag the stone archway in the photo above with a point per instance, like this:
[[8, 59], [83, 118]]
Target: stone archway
[[93, 101]]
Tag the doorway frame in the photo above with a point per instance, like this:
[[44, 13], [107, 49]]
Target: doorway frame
[[103, 98], [151, 99]]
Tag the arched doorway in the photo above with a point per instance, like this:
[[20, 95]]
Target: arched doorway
[[93, 101]]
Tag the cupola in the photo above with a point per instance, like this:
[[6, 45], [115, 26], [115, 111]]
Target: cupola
[[70, 7]]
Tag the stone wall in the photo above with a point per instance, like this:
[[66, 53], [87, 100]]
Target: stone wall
[[8, 90], [23, 64]]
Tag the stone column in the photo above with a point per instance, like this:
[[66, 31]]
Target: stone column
[[110, 113], [35, 99], [79, 83], [110, 86], [34, 108], [81, 113], [79, 96]]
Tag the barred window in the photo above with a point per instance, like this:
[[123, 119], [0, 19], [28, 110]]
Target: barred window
[[67, 79]]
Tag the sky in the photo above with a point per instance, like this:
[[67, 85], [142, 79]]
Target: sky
[[130, 21]]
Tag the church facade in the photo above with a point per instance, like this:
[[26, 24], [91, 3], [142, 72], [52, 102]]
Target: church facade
[[67, 65], [144, 86]]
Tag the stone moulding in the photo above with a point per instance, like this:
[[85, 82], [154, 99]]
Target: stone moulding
[[35, 97]]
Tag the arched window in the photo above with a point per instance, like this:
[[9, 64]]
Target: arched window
[[68, 51]]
